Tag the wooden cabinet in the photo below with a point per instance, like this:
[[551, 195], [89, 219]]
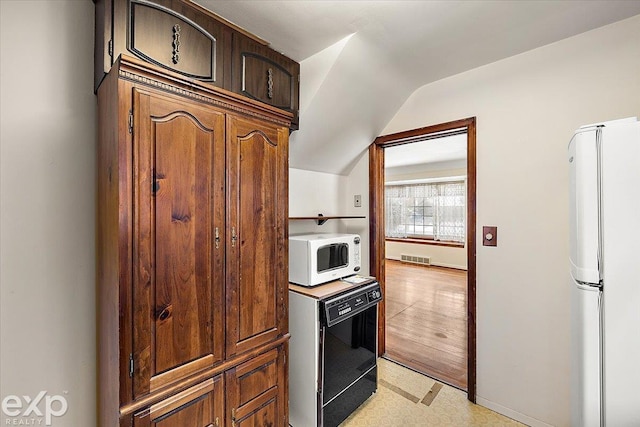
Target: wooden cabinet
[[182, 37], [199, 406], [192, 252], [266, 75]]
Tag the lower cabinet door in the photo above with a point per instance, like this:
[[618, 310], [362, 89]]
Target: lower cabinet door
[[199, 406], [256, 391]]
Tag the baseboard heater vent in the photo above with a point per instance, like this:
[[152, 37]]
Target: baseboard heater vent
[[422, 260]]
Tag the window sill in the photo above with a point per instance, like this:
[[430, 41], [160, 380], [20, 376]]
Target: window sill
[[425, 242]]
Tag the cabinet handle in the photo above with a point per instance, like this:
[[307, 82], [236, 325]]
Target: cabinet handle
[[234, 237], [217, 238], [270, 83], [175, 56]]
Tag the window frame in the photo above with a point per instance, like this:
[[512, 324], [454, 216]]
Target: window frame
[[430, 238]]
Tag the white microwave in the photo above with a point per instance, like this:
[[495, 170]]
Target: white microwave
[[319, 258]]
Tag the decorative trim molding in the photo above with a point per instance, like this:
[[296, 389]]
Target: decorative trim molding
[[181, 113], [259, 132], [137, 78]]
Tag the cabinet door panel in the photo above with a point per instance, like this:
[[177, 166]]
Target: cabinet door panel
[[199, 406], [262, 73], [176, 35], [256, 376], [256, 391], [265, 415], [168, 39], [178, 162], [257, 206]]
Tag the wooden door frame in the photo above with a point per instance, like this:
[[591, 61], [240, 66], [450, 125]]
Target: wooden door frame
[[377, 237]]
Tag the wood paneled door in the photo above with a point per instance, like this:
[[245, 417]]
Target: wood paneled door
[[178, 152], [257, 244]]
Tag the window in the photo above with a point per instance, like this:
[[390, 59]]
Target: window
[[426, 211]]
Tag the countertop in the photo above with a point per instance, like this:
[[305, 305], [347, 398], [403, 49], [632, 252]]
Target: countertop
[[329, 289]]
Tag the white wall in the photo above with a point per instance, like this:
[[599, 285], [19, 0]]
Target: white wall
[[312, 193], [47, 164], [527, 107]]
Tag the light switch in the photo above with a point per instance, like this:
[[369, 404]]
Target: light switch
[[489, 236]]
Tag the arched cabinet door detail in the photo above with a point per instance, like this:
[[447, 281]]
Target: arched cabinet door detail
[[256, 204]]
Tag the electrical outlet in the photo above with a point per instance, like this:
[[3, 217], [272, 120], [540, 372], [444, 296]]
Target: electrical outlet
[[357, 200]]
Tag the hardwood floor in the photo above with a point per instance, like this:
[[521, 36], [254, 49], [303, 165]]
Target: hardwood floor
[[426, 329]]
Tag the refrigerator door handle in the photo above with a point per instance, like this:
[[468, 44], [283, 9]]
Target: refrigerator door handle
[[584, 206], [587, 286]]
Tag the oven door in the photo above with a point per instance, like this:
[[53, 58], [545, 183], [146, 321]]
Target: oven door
[[349, 350]]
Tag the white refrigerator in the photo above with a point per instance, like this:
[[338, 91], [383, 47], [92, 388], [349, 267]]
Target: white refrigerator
[[604, 164]]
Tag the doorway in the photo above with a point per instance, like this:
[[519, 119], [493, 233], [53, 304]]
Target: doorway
[[377, 224]]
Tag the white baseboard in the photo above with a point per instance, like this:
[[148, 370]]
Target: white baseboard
[[435, 264], [457, 267], [514, 415]]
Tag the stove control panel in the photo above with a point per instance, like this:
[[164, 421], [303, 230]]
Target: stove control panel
[[348, 304]]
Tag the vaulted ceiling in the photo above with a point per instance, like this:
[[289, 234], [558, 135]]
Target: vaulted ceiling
[[360, 60]]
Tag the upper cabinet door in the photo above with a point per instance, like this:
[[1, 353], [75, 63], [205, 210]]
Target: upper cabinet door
[[178, 193], [176, 35], [266, 75], [257, 168]]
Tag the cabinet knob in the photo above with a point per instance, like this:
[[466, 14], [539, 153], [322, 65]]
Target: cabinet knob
[[217, 239], [234, 237]]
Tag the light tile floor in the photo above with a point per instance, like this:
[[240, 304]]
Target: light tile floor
[[403, 398]]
